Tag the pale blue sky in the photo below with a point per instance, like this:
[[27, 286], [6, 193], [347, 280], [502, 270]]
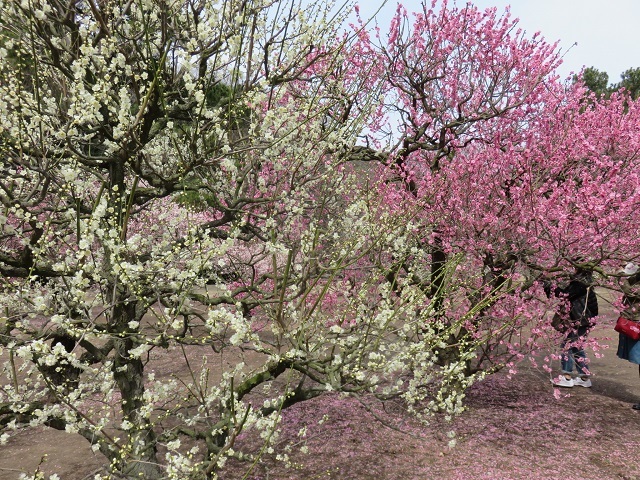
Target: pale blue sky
[[607, 32]]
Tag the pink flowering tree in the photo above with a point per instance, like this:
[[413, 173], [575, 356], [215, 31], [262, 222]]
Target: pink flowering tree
[[521, 176]]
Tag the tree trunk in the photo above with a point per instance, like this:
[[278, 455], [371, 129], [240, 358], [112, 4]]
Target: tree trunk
[[138, 455], [139, 458]]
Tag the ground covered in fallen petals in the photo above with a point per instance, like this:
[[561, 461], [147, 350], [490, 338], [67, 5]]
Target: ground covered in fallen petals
[[516, 427], [513, 429]]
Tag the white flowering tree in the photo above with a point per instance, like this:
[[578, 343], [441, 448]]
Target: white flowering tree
[[180, 183]]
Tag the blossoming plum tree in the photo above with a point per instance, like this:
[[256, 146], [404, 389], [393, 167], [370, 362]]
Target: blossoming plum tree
[[195, 182], [521, 174]]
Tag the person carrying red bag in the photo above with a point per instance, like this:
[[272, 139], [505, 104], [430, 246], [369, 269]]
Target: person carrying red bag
[[628, 348]]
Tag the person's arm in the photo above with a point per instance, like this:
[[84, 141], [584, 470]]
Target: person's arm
[[631, 290]]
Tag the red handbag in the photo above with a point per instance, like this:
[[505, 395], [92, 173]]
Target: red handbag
[[629, 327]]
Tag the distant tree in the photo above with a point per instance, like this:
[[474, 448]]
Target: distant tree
[[630, 81], [596, 81]]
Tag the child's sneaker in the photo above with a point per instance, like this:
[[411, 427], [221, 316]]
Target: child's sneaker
[[562, 381], [583, 382]]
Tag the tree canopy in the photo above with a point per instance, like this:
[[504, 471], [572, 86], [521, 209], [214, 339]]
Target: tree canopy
[[598, 82]]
